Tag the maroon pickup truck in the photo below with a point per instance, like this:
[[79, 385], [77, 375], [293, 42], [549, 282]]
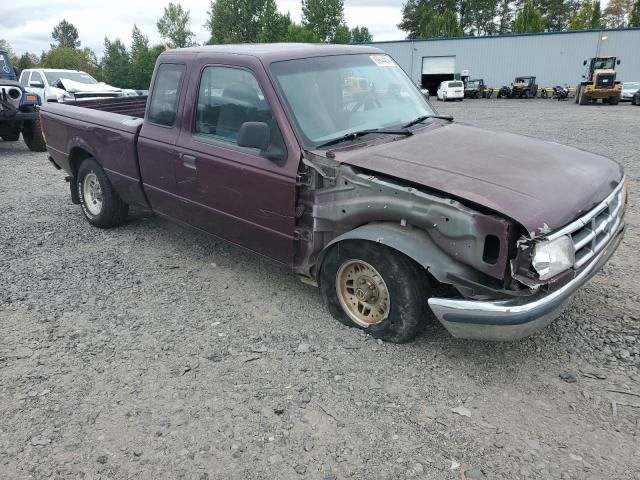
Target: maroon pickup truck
[[328, 159]]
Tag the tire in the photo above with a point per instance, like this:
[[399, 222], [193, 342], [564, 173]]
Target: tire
[[100, 203], [11, 136], [614, 100], [397, 320], [582, 99], [525, 94], [32, 135]]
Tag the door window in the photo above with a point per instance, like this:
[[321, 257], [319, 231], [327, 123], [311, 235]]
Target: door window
[[36, 77], [227, 98], [164, 96]]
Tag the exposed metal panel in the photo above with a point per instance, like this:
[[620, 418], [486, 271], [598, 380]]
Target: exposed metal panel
[[555, 59], [438, 65]]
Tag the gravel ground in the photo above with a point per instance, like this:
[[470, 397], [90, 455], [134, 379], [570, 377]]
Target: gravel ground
[[150, 351]]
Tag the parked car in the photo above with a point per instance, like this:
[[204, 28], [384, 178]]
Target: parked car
[[636, 98], [629, 89], [450, 90], [19, 112], [378, 201], [64, 85]]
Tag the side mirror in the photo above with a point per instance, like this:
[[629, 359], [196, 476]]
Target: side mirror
[[254, 135], [618, 62], [36, 84], [584, 63]]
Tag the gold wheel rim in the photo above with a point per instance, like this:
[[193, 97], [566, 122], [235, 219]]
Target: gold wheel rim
[[363, 293]]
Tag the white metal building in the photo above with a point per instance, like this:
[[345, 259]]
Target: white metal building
[[555, 58]]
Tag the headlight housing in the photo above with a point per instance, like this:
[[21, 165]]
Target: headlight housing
[[551, 257]]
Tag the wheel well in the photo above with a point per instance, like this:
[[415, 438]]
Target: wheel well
[[77, 156], [433, 282]]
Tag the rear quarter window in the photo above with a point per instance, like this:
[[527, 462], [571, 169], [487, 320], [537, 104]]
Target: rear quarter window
[[165, 94]]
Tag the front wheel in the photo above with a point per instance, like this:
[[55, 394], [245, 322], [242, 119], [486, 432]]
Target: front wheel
[[100, 203], [614, 100], [373, 287], [11, 136]]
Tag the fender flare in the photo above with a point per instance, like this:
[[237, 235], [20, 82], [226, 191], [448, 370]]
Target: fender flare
[[410, 241]]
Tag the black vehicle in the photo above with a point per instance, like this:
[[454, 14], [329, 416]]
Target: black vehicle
[[476, 88], [504, 92], [636, 98], [18, 109], [524, 87]]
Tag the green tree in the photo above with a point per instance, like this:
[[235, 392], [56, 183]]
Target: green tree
[[615, 15], [477, 17], [443, 25], [581, 18], [141, 62], [301, 34], [71, 59], [528, 20], [325, 18], [505, 16], [27, 60], [595, 22], [634, 16], [173, 26], [360, 34], [343, 34], [237, 21], [116, 64], [66, 35]]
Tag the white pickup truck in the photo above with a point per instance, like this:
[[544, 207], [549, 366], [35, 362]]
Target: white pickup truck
[[64, 85]]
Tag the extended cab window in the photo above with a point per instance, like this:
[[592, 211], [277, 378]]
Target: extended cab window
[[229, 97], [165, 94]]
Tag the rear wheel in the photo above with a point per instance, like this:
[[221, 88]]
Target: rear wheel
[[100, 203], [373, 287], [32, 134]]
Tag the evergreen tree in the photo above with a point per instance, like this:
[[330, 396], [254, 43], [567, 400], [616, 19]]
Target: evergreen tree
[[116, 64], [141, 63], [301, 34], [634, 16], [360, 34], [65, 35], [528, 20]]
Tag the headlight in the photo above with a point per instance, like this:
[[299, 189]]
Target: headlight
[[552, 257]]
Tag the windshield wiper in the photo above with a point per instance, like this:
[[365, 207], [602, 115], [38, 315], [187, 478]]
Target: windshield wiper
[[426, 117], [360, 133]]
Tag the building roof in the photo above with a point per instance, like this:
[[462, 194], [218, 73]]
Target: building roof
[[270, 52], [504, 35]]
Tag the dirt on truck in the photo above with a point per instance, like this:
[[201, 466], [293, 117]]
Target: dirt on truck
[[397, 214]]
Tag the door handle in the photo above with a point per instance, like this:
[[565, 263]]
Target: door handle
[[189, 161]]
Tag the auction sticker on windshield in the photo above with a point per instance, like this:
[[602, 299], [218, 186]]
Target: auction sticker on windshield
[[382, 60]]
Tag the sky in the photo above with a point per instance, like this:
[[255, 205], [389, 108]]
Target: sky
[[27, 25]]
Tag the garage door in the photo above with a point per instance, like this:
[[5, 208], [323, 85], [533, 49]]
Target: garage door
[[438, 65]]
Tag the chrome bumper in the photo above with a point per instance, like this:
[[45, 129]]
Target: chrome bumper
[[512, 319]]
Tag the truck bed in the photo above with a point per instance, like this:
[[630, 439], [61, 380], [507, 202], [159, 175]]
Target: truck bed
[[105, 129], [130, 106]]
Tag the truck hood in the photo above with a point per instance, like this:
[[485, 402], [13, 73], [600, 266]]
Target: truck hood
[[541, 185], [77, 87]]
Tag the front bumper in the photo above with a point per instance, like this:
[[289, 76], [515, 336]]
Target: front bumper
[[512, 319]]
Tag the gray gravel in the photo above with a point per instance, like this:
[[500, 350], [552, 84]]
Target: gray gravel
[[150, 351]]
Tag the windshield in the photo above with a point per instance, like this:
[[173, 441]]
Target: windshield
[[80, 77], [473, 84], [5, 64], [604, 63], [631, 85], [332, 96]]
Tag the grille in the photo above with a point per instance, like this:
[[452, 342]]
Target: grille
[[605, 80], [96, 95], [592, 232]]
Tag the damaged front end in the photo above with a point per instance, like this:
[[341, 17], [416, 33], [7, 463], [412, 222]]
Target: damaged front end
[[468, 249], [493, 281]]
